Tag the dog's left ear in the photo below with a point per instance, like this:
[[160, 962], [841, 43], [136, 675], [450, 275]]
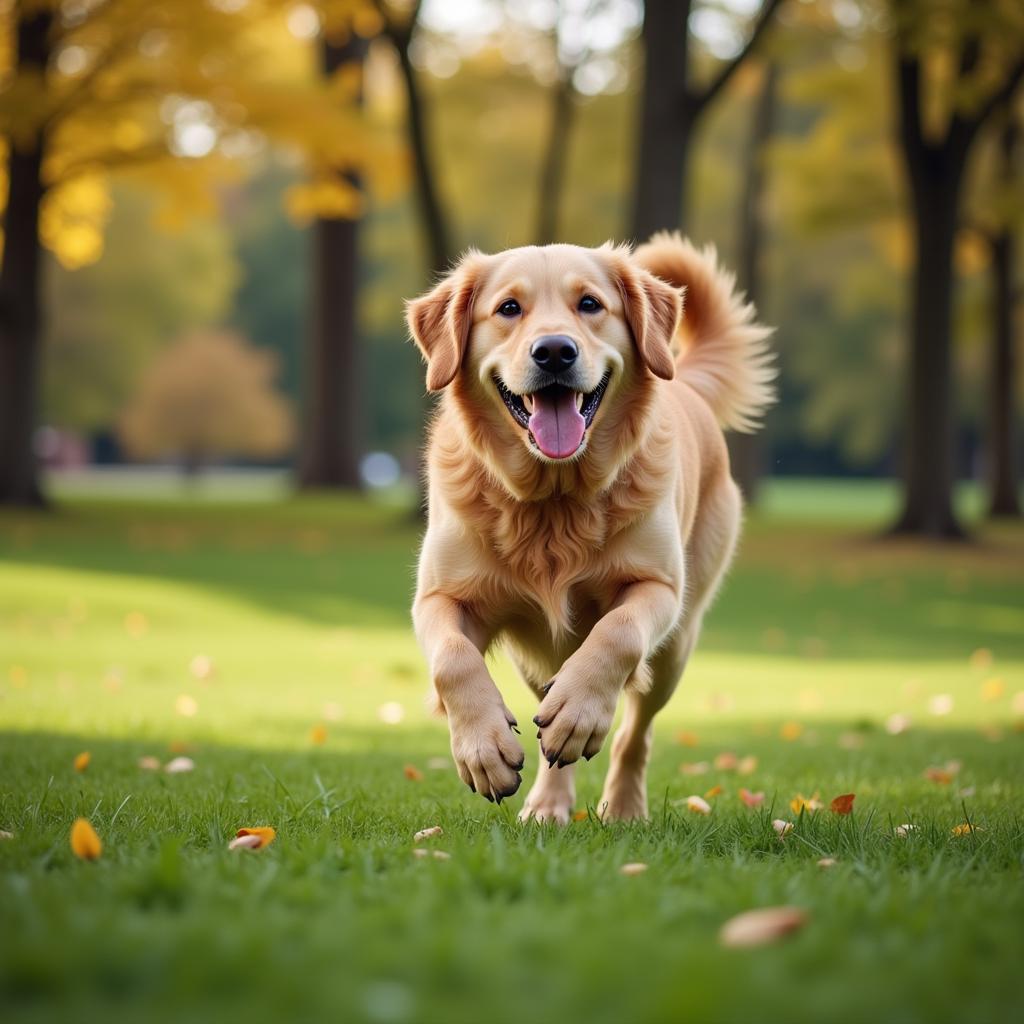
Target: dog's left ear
[[439, 321], [653, 308]]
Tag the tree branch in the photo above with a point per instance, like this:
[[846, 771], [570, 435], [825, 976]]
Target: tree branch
[[719, 82], [997, 99]]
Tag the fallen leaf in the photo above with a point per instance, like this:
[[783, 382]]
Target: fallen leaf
[[943, 776], [782, 828], [843, 804], [186, 706], [391, 713], [747, 765], [992, 689], [966, 829], [580, 815], [318, 735], [149, 763], [698, 805], [761, 927], [791, 731], [178, 765], [810, 804], [686, 738], [726, 761], [695, 768], [751, 799], [904, 830], [412, 773], [82, 761], [201, 667], [5, 835], [436, 854], [714, 791], [428, 833], [178, 746], [253, 838], [896, 725], [827, 862], [635, 868], [981, 659], [85, 843]]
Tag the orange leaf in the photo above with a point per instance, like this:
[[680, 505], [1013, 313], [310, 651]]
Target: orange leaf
[[714, 791], [966, 829], [751, 799], [580, 816], [264, 834], [318, 735], [686, 738], [726, 761], [791, 731], [82, 761], [412, 773], [939, 775], [85, 844], [843, 804]]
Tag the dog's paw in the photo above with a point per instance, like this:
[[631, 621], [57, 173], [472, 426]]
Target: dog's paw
[[623, 802], [487, 754], [550, 798], [574, 720]]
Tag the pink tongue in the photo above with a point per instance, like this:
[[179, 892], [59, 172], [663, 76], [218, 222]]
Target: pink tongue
[[556, 423]]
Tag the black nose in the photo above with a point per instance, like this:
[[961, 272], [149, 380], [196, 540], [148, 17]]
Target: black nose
[[554, 352]]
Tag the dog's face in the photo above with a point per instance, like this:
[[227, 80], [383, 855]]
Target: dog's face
[[546, 335]]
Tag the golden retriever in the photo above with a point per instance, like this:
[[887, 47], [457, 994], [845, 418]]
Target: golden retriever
[[581, 510]]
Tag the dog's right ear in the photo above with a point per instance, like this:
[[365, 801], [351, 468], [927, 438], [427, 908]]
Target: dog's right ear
[[439, 321]]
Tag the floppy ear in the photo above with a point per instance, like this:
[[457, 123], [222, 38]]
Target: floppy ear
[[439, 322], [653, 308]]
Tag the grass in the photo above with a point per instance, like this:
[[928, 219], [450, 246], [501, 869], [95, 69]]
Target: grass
[[821, 635]]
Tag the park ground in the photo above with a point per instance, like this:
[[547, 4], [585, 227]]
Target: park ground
[[268, 641]]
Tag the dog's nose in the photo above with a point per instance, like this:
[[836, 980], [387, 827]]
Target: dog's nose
[[554, 352]]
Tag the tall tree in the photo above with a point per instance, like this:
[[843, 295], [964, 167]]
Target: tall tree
[[981, 44], [1001, 454], [672, 106], [332, 436], [435, 218], [20, 284], [747, 450]]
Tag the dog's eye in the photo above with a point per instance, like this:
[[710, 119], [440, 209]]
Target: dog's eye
[[588, 304], [510, 308]]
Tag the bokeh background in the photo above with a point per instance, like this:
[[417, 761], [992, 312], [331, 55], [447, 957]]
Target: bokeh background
[[216, 207], [210, 419]]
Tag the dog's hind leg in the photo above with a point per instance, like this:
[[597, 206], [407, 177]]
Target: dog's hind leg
[[708, 556]]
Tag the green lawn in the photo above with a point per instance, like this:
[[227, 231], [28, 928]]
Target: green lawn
[[821, 635]]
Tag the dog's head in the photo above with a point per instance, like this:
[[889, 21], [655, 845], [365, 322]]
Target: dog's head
[[543, 340]]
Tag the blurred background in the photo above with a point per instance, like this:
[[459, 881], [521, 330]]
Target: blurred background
[[214, 209]]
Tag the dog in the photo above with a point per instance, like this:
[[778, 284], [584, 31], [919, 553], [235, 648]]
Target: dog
[[581, 512]]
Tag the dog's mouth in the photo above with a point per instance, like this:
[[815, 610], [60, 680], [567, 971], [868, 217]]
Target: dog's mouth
[[556, 417]]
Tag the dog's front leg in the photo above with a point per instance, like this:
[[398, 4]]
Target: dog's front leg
[[579, 705], [486, 753]]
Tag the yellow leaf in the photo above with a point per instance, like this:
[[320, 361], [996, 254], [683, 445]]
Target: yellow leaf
[[82, 761], [85, 844], [791, 731], [698, 805], [263, 836], [810, 804], [714, 791], [966, 829], [318, 735]]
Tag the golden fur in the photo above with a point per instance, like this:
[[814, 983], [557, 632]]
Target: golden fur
[[593, 571]]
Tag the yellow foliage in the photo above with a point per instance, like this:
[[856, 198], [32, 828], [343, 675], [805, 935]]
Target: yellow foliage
[[72, 220], [323, 197]]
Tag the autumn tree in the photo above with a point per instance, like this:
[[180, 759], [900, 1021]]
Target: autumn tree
[[672, 107], [172, 93], [953, 69], [208, 396]]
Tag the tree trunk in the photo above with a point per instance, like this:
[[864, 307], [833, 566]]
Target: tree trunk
[[433, 217], [21, 292], [552, 176], [666, 120], [332, 436], [746, 451], [928, 442], [1004, 499]]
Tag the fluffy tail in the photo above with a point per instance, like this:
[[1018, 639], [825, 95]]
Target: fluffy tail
[[726, 358]]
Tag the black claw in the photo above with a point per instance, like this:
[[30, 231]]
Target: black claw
[[519, 767], [538, 734], [498, 798], [487, 796], [561, 763], [546, 689], [551, 759], [471, 786], [515, 729], [536, 719], [587, 757]]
